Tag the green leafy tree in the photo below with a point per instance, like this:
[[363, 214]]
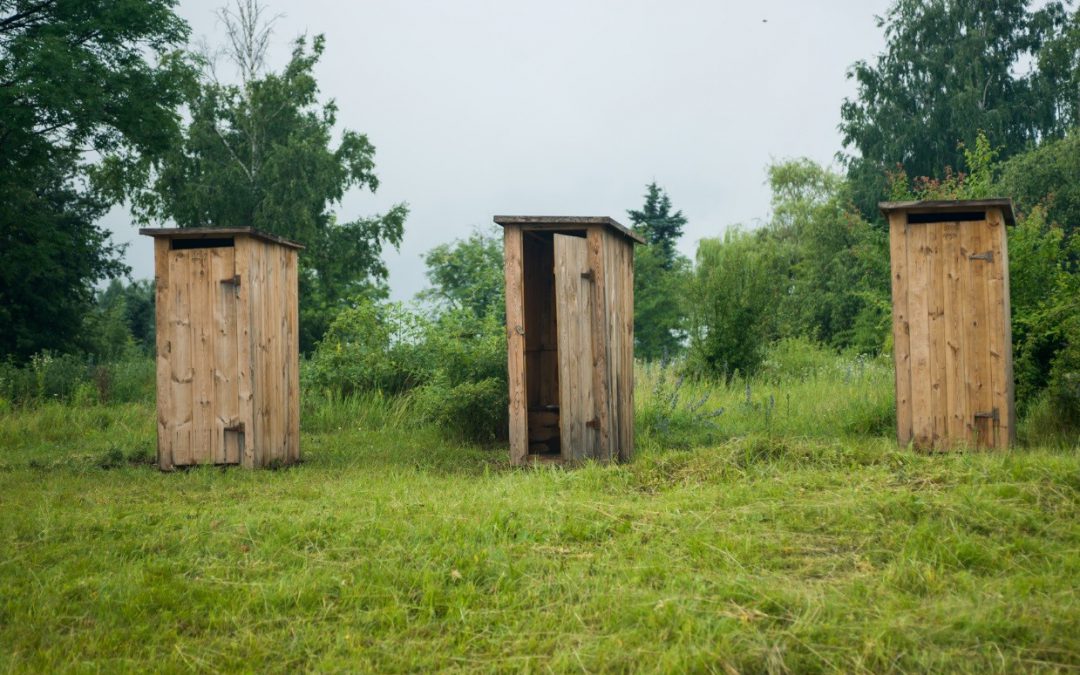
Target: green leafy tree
[[658, 225], [123, 319], [661, 276], [1044, 280], [951, 68], [262, 154], [835, 263], [1047, 177], [738, 284], [94, 78], [467, 274]]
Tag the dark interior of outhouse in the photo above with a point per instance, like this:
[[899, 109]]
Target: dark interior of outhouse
[[541, 343]]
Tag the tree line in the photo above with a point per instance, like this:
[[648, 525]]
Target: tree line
[[102, 106]]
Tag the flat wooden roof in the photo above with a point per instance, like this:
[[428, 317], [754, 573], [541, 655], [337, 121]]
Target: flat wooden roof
[[214, 232], [951, 206], [568, 222]]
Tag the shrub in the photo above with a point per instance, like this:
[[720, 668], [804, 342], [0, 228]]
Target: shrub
[[72, 378], [455, 364], [473, 411], [370, 347]]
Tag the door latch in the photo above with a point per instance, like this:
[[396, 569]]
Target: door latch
[[988, 415], [594, 423], [588, 275], [988, 256]]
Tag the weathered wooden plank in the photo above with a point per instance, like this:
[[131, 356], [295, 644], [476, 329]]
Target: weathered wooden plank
[[163, 346], [954, 265], [898, 255], [244, 371], [259, 435], [976, 339], [226, 397], [181, 371], [936, 310], [202, 324], [919, 331], [612, 319], [163, 341], [1002, 253], [274, 362], [292, 296], [999, 329], [599, 336], [513, 269]]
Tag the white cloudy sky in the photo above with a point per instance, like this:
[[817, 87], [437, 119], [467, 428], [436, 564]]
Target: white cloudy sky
[[569, 107]]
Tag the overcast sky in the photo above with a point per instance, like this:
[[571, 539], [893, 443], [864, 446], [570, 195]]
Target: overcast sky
[[569, 107]]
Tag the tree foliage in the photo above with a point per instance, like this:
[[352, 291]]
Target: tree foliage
[[658, 225], [77, 79], [467, 275], [660, 277], [262, 154], [950, 69], [817, 270], [836, 265], [1047, 177], [733, 298]]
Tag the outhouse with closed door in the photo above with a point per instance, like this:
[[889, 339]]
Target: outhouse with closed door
[[228, 358], [952, 331], [570, 336]]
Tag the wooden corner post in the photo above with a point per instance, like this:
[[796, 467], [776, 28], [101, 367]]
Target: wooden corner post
[[514, 270]]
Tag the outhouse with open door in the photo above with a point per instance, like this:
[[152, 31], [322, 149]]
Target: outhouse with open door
[[952, 332], [228, 358], [570, 337]]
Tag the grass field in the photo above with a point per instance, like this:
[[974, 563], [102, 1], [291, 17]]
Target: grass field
[[764, 528]]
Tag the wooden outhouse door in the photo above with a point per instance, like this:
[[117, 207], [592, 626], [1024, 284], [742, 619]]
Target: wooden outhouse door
[[573, 311], [203, 356], [954, 312]]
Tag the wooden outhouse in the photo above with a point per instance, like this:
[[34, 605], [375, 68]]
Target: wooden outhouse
[[228, 354], [952, 333], [570, 336]]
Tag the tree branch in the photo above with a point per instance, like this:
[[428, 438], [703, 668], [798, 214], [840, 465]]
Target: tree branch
[[12, 22]]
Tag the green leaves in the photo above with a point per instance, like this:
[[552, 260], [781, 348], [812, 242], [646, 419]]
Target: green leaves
[[950, 69], [661, 274], [816, 271], [261, 154], [467, 274], [96, 76]]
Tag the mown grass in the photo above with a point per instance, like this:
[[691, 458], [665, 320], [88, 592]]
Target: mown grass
[[804, 541]]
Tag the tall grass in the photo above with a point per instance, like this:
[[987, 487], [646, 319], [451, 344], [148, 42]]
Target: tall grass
[[747, 536], [390, 549], [802, 391]]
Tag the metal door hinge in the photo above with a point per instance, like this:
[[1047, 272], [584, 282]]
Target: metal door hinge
[[594, 423], [588, 275], [235, 281], [988, 256], [991, 415]]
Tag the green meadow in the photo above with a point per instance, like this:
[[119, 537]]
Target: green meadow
[[769, 525]]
